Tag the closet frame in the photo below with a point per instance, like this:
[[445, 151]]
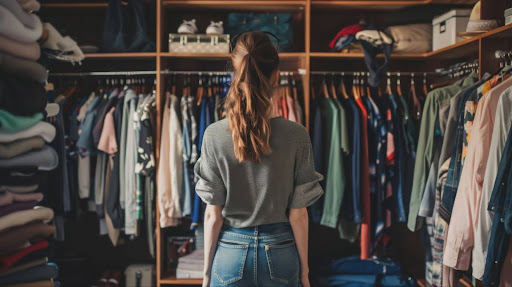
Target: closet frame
[[481, 47]]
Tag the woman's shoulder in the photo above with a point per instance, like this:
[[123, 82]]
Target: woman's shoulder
[[290, 129]]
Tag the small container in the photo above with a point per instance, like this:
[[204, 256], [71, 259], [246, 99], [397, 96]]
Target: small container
[[140, 275], [446, 26], [508, 16], [199, 43]]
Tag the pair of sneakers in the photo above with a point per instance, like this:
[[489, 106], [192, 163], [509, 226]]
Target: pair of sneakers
[[189, 27], [109, 278]]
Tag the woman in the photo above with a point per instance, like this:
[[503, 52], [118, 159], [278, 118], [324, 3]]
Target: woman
[[257, 176]]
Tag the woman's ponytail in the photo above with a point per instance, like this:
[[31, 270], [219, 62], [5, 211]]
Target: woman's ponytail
[[249, 104]]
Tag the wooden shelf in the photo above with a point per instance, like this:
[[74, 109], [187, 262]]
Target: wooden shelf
[[74, 5], [503, 31], [367, 5], [250, 5], [221, 56], [120, 55], [361, 55], [170, 278], [459, 50]]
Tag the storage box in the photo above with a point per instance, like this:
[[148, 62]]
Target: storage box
[[446, 26], [508, 20], [140, 275], [200, 43]]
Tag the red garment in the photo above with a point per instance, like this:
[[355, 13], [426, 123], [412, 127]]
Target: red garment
[[349, 30], [365, 185], [7, 261], [285, 107]]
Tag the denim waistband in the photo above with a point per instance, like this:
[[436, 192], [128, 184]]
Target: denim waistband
[[261, 230]]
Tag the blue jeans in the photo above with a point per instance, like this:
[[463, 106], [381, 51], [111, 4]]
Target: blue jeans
[[262, 255]]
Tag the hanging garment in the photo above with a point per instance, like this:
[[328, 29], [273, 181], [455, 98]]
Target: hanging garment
[[130, 209], [502, 124], [424, 153], [499, 242], [467, 203], [365, 186], [168, 214], [335, 186]]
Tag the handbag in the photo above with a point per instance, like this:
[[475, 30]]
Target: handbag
[[279, 24], [125, 28]]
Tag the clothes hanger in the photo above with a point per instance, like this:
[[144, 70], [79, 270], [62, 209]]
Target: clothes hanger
[[355, 89], [425, 86], [333, 88], [388, 84], [294, 87], [398, 85], [342, 86], [199, 93], [324, 88], [415, 100], [368, 88], [209, 87]]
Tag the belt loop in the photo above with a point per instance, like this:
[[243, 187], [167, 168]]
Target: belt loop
[[256, 230]]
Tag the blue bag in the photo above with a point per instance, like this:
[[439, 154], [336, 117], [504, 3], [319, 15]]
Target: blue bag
[[125, 28], [279, 24]]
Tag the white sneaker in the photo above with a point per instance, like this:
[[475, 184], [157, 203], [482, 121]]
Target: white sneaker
[[188, 27], [215, 28], [61, 48]]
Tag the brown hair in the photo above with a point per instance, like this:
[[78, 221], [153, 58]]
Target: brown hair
[[249, 103]]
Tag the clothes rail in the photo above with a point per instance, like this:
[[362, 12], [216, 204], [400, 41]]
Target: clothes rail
[[325, 73], [167, 72], [118, 73]]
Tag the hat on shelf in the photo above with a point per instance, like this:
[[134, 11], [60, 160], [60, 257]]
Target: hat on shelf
[[476, 25]]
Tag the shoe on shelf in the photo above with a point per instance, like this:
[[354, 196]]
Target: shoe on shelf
[[215, 28], [115, 279], [188, 27], [103, 281]]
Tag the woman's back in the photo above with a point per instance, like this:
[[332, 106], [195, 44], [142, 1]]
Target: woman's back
[[255, 193]]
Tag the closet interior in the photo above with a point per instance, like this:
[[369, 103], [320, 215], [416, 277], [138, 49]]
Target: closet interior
[[309, 71]]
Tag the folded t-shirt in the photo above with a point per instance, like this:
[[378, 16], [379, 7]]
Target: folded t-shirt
[[42, 129], [18, 218], [10, 123], [21, 146], [7, 197], [10, 260], [16, 206], [43, 272], [44, 159], [15, 238]]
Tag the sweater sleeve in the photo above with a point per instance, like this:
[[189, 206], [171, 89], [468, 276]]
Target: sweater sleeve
[[307, 189], [210, 186]]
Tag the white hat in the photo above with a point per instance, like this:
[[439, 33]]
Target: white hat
[[476, 25]]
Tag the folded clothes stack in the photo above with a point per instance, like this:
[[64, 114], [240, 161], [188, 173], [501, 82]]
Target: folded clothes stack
[[191, 266], [27, 148]]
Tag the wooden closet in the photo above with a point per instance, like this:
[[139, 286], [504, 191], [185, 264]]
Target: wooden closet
[[315, 22]]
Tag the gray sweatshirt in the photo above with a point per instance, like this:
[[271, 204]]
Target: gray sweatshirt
[[258, 193]]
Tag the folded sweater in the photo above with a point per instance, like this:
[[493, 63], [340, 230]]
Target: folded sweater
[[18, 218]]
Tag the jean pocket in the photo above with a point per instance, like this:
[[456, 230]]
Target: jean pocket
[[229, 261], [283, 261]]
